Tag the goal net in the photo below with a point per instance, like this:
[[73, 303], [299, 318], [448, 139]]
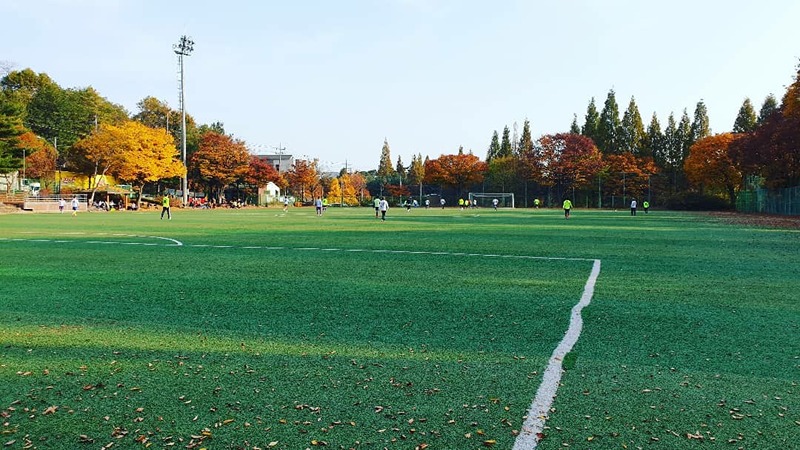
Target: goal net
[[486, 199]]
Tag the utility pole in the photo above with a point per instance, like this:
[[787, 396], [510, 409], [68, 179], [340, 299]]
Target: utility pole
[[280, 150], [183, 48], [58, 164]]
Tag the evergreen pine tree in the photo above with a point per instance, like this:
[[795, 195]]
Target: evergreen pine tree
[[685, 137], [401, 171], [769, 107], [525, 146], [505, 144], [494, 147], [632, 129], [574, 128], [653, 143], [700, 127], [514, 140], [608, 128], [746, 121], [591, 121], [672, 150], [385, 169]]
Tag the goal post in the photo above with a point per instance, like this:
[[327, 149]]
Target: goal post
[[486, 199]]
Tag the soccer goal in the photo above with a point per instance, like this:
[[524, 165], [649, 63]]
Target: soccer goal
[[486, 199]]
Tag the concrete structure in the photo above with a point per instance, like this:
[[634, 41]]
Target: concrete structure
[[281, 163]]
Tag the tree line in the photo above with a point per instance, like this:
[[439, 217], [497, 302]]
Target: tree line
[[603, 162], [612, 157]]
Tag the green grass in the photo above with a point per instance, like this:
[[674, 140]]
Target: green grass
[[693, 332]]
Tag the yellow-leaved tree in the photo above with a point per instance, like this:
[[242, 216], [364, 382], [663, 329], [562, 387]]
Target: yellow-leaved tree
[[133, 152], [348, 191], [148, 155]]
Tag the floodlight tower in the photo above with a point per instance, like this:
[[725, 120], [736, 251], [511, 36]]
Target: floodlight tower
[[183, 48]]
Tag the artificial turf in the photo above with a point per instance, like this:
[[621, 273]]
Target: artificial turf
[[272, 330]]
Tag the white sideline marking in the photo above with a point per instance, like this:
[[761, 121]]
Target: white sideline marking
[[536, 417], [528, 437]]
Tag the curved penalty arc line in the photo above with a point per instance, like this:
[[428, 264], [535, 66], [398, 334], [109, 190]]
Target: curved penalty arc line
[[175, 241]]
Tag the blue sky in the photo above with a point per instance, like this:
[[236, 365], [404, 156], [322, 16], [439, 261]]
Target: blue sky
[[332, 79]]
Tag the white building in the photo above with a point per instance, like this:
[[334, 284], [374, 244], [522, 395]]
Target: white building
[[270, 193]]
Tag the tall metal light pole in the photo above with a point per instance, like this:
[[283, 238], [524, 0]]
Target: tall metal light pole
[[183, 48]]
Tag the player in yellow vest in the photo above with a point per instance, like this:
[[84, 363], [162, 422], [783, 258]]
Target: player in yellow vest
[[567, 208], [165, 208]]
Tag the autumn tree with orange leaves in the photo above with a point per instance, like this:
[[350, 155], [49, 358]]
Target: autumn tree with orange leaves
[[40, 160], [359, 184], [709, 167], [772, 150], [303, 178], [458, 171], [627, 175], [219, 161], [259, 173], [563, 161]]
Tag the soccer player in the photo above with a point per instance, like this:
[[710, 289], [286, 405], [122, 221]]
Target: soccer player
[[318, 204], [633, 207], [74, 204], [384, 206], [165, 208], [377, 204], [646, 206], [494, 203], [567, 207]]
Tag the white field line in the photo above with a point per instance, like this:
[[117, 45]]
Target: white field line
[[528, 437], [536, 417], [175, 242]]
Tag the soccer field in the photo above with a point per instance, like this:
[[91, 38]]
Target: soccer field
[[258, 329]]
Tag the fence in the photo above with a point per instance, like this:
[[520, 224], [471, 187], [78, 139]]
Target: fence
[[782, 201]]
